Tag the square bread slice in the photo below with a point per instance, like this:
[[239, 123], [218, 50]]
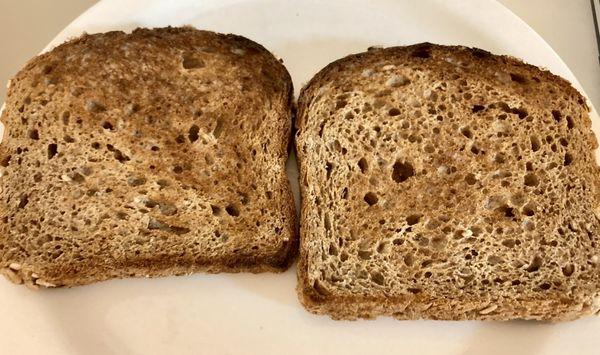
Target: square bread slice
[[152, 153], [446, 183]]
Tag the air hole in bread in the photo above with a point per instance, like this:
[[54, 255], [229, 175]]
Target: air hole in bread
[[23, 200], [535, 143], [33, 134], [474, 149], [364, 254], [383, 247], [179, 139], [530, 180], [394, 112], [529, 166], [328, 168], [189, 61], [470, 179], [568, 159], [506, 210], [521, 112], [529, 209], [466, 131], [340, 104], [232, 210], [568, 270], [421, 53], [413, 219], [535, 264], [150, 203], [545, 286], [477, 108], [47, 69], [122, 158], [177, 169], [5, 161], [333, 250], [371, 198], [557, 115], [518, 78], [162, 183], [564, 142], [402, 171], [193, 133], [363, 165], [68, 139], [216, 210], [344, 194], [107, 125], [95, 145], [327, 222], [377, 278], [52, 150]]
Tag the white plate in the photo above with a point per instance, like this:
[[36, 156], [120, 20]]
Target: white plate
[[260, 314]]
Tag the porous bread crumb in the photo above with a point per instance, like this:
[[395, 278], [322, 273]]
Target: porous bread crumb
[[476, 200], [154, 153]]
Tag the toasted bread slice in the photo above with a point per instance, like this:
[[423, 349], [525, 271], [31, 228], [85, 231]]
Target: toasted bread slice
[[446, 183], [153, 153]]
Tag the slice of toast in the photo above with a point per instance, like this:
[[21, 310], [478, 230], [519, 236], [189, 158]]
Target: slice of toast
[[446, 183], [153, 153]]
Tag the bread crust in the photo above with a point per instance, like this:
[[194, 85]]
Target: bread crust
[[152, 153], [339, 93]]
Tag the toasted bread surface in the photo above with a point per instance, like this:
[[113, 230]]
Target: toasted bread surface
[[150, 153], [446, 182]]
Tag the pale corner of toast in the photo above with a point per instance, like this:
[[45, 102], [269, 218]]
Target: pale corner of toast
[[150, 153], [446, 183]]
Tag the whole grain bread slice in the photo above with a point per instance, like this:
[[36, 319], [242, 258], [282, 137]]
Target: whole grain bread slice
[[445, 182], [150, 153]]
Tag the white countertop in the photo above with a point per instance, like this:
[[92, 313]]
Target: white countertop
[[26, 26]]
